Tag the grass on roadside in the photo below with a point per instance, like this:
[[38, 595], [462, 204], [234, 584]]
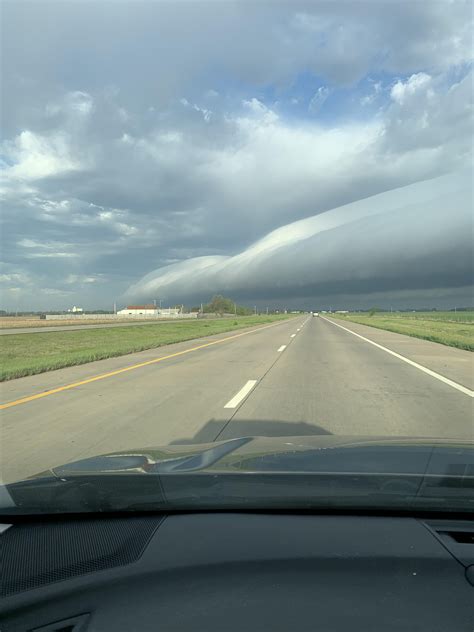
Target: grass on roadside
[[428, 326], [28, 323], [458, 317], [28, 354]]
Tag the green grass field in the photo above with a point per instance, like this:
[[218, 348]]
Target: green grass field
[[28, 354], [455, 329], [457, 317]]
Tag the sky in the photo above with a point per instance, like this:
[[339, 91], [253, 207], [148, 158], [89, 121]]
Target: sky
[[286, 154]]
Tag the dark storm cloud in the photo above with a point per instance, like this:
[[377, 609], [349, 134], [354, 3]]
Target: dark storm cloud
[[416, 237], [137, 137]]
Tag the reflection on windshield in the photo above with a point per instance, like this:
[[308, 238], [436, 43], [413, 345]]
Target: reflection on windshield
[[259, 473]]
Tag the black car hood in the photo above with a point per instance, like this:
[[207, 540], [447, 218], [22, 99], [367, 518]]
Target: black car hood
[[310, 472]]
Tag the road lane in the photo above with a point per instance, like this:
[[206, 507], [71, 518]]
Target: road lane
[[331, 381], [307, 377], [170, 353], [176, 400]]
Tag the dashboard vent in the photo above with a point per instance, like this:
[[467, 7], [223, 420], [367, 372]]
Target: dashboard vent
[[457, 536], [462, 537], [75, 624], [40, 553]]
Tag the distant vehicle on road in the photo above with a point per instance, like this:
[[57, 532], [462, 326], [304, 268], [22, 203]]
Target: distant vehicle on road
[[315, 313]]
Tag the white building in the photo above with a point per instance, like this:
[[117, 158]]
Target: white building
[[76, 310], [137, 310], [147, 310]]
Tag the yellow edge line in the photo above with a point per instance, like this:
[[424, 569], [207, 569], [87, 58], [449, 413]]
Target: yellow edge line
[[132, 367]]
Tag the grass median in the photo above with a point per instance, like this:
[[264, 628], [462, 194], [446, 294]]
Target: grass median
[[447, 328], [28, 354]]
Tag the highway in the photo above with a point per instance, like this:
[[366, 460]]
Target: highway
[[297, 377]]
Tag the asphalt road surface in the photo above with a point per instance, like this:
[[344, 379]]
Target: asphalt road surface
[[298, 377]]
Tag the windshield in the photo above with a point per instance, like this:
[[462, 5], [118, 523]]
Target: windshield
[[237, 260]]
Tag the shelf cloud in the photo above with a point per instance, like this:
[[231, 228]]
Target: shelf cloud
[[419, 236]]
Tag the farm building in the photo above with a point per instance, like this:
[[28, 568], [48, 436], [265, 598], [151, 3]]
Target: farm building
[[147, 310]]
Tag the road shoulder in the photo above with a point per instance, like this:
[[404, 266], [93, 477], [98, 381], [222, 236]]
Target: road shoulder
[[455, 364]]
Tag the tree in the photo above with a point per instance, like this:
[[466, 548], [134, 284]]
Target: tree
[[243, 311], [220, 305], [374, 310]]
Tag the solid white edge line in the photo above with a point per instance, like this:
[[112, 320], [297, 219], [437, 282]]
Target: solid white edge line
[[437, 376], [244, 391], [292, 335], [282, 348]]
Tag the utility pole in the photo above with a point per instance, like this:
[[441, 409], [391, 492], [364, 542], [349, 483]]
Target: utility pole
[[235, 308], [267, 310], [115, 307], [255, 309]]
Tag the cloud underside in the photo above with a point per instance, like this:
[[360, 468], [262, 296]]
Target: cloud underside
[[419, 236], [173, 136]]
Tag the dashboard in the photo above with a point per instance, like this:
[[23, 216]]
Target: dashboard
[[238, 572]]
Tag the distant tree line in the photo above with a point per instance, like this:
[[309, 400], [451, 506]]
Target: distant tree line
[[221, 305]]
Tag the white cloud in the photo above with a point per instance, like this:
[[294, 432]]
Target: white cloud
[[260, 115], [429, 116], [54, 291], [33, 156], [367, 100], [402, 91], [256, 106], [318, 99], [74, 103], [51, 255], [32, 243], [47, 250], [15, 277], [125, 229], [80, 279], [206, 114], [376, 91]]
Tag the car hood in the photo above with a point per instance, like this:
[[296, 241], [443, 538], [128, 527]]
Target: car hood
[[303, 472]]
